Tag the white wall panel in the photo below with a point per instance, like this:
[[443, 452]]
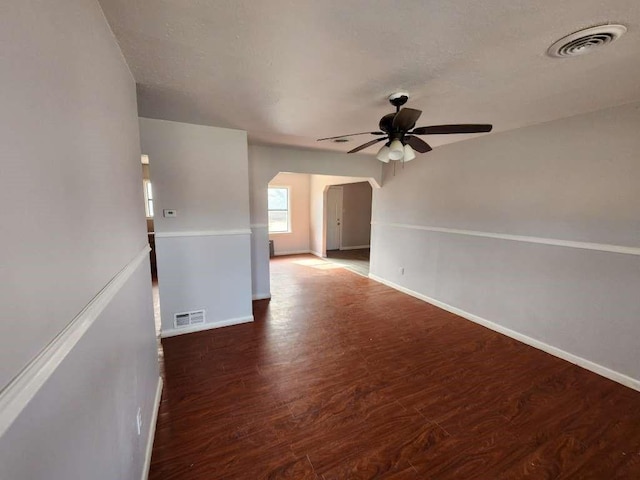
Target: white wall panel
[[72, 184], [203, 253]]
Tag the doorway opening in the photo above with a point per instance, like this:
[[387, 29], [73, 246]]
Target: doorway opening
[[348, 225], [323, 215], [147, 188]]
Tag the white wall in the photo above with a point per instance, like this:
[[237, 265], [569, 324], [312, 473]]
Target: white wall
[[75, 276], [264, 164], [568, 191], [317, 215], [356, 215], [204, 253], [297, 240]]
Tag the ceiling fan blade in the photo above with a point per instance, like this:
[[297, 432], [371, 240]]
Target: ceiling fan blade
[[406, 119], [368, 144], [351, 135], [446, 129], [418, 144]]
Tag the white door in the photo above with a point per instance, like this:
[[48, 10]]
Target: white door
[[334, 218]]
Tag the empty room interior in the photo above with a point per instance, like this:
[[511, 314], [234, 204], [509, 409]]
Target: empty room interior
[[320, 240]]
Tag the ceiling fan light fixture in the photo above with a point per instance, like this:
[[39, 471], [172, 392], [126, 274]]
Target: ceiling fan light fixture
[[399, 128], [409, 154], [383, 154], [396, 150]]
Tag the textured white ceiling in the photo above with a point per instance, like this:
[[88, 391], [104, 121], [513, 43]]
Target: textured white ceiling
[[291, 71]]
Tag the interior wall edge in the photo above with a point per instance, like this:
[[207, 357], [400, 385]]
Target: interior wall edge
[[602, 247], [618, 377], [152, 430], [261, 296], [25, 386]]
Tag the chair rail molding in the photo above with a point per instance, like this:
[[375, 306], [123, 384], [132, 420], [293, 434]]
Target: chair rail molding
[[602, 247], [26, 384], [202, 233]]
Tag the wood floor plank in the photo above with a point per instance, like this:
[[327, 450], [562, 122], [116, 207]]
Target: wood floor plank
[[340, 377]]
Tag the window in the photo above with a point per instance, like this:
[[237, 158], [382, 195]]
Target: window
[[278, 203], [148, 198]]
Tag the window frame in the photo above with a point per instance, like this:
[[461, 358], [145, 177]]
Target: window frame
[[288, 210], [149, 207]]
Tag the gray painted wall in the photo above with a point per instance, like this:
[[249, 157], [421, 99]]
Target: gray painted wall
[[72, 178], [203, 254], [575, 180], [356, 214]]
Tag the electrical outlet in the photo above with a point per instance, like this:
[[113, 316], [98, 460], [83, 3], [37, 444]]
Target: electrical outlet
[[169, 213], [139, 420]]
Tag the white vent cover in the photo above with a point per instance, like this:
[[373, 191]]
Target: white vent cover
[[586, 40], [184, 319]]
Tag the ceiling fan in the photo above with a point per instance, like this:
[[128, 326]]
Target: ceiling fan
[[400, 137]]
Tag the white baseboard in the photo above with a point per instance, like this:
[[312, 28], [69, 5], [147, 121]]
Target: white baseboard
[[172, 332], [569, 357], [317, 254], [260, 296], [291, 252], [356, 247], [152, 430]]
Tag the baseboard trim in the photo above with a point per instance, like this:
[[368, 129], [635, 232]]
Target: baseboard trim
[[545, 347], [317, 254], [261, 296], [152, 430], [356, 247], [25, 386], [292, 252], [172, 332]]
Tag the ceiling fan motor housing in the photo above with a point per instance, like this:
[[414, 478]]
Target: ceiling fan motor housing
[[398, 99]]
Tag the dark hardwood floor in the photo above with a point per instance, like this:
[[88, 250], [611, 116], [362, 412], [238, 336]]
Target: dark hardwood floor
[[340, 377]]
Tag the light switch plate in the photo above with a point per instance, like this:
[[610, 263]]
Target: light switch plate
[[169, 213]]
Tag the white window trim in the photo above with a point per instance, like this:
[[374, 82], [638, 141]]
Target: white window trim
[[145, 181], [289, 222]]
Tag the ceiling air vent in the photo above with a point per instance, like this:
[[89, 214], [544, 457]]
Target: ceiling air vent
[[586, 40], [185, 319]]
